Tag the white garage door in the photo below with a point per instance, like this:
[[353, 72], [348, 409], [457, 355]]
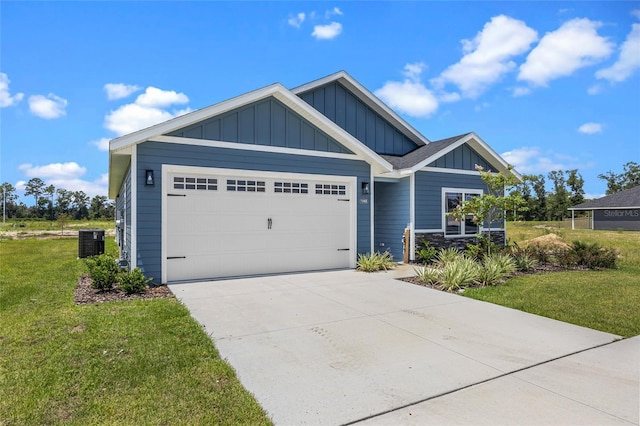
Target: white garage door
[[225, 224]]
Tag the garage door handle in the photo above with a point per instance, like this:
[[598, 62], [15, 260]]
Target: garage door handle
[[176, 257], [176, 195], [344, 249], [343, 199]]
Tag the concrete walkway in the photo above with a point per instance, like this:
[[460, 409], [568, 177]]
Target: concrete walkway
[[342, 346]]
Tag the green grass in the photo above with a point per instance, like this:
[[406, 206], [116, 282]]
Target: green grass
[[605, 300], [134, 362]]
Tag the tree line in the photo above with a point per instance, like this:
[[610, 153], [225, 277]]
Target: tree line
[[568, 191], [53, 203]]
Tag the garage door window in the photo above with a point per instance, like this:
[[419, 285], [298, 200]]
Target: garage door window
[[291, 187], [202, 184], [236, 185], [331, 189]]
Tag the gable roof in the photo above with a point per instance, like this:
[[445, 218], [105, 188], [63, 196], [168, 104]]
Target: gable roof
[[425, 155], [369, 99], [629, 199], [120, 148]]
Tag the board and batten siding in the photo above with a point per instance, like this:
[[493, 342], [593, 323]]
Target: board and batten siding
[[152, 155], [266, 122], [342, 107], [462, 158], [428, 195], [123, 204], [391, 215]]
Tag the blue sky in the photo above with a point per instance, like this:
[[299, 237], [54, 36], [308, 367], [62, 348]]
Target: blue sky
[[550, 85]]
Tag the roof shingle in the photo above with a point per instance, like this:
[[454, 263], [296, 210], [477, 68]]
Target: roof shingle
[[629, 198]]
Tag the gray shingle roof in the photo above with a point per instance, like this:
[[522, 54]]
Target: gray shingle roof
[[417, 155], [629, 198]]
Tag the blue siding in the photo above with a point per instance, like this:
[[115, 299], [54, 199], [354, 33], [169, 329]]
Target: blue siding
[[347, 111], [151, 155], [462, 158], [123, 204], [391, 215], [428, 198], [266, 122]]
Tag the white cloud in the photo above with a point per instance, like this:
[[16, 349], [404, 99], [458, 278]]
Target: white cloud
[[628, 61], [102, 144], [594, 90], [119, 90], [67, 176], [48, 107], [590, 128], [520, 91], [5, 95], [488, 56], [410, 96], [148, 109], [531, 160], [576, 44], [636, 13], [334, 11], [327, 32], [296, 21]]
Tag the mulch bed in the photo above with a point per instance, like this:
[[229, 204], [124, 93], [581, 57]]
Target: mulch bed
[[85, 294]]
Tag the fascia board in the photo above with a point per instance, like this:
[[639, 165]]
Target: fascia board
[[368, 98], [604, 208]]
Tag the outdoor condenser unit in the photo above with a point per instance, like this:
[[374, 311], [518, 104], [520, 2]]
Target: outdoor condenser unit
[[90, 242]]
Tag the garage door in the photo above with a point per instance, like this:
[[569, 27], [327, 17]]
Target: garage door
[[224, 224]]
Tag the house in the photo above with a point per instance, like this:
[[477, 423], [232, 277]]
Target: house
[[282, 180], [616, 211]]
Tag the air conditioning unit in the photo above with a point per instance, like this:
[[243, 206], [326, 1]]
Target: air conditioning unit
[[90, 242]]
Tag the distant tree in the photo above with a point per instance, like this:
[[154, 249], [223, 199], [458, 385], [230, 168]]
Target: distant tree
[[80, 205], [629, 178], [63, 219], [8, 198], [575, 183], [559, 199], [50, 192], [101, 208], [35, 187], [63, 201]]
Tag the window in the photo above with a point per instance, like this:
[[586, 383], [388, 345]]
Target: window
[[452, 199], [331, 189], [291, 187], [202, 184], [241, 185]]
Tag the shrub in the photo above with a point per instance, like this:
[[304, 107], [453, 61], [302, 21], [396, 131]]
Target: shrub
[[425, 253], [524, 261], [134, 281], [103, 271], [447, 255], [494, 269], [474, 251], [593, 256], [428, 274], [372, 262], [458, 273]]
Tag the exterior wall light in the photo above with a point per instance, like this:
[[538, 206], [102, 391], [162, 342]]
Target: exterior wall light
[[365, 188], [148, 178]]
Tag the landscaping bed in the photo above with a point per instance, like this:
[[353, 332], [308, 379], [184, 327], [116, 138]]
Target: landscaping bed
[[84, 293]]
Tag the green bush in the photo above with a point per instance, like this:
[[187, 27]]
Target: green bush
[[495, 268], [428, 274], [524, 261], [447, 255], [103, 271], [134, 281], [593, 256], [459, 273], [375, 262], [425, 253]]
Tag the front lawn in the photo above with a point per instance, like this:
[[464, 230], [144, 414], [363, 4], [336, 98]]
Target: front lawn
[[134, 362], [606, 300]]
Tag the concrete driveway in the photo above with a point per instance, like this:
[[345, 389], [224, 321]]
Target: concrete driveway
[[343, 346]]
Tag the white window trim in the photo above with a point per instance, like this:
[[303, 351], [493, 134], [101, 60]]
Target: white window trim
[[463, 191]]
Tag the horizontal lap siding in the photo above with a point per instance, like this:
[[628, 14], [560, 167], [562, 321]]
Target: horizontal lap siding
[[123, 202], [152, 155], [343, 108], [391, 215], [429, 195]]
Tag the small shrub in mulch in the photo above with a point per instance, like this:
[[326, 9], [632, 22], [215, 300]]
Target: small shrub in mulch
[[85, 294]]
